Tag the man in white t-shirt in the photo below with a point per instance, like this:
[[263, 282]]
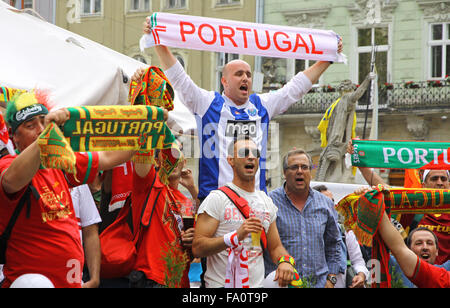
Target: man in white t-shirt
[[219, 222]]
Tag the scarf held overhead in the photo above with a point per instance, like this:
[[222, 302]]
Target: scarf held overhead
[[153, 90], [363, 213], [219, 35], [401, 154], [110, 128], [399, 201], [117, 128]]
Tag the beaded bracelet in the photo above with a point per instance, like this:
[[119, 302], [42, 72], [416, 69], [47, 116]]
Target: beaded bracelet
[[287, 259]]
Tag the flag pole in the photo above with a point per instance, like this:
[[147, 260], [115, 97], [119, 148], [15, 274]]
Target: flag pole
[[374, 101], [372, 68]]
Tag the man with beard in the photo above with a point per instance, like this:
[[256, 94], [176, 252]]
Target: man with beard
[[221, 230], [307, 223]]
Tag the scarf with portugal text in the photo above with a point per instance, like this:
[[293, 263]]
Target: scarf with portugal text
[[109, 128], [237, 37], [401, 154]]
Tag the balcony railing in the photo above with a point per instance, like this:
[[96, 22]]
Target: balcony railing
[[393, 97]]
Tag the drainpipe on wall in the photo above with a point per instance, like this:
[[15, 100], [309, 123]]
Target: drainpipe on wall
[[258, 76], [259, 19], [54, 12]]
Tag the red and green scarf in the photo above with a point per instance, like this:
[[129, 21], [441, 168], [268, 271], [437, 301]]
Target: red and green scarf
[[153, 90], [363, 213]]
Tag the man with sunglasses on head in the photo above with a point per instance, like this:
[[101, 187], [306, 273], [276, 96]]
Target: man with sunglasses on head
[[307, 223], [221, 230]]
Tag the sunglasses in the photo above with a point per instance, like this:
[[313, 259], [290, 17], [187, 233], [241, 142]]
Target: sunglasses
[[245, 152]]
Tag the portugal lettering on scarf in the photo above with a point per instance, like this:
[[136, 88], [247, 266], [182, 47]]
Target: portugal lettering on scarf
[[219, 35], [117, 128], [110, 128], [401, 154]]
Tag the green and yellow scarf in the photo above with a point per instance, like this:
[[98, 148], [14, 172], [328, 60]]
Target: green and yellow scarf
[[109, 128]]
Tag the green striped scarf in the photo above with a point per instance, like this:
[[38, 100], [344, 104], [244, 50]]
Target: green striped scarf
[[401, 154], [110, 128]]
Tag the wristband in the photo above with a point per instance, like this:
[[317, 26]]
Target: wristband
[[287, 259], [231, 239]]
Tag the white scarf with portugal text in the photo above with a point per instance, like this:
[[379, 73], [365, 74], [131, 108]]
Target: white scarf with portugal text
[[219, 35]]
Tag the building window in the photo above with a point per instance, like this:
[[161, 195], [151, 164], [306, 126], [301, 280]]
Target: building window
[[140, 58], [368, 39], [278, 71], [222, 59], [180, 59], [439, 50], [20, 4], [227, 2], [91, 7], [175, 4], [138, 5]]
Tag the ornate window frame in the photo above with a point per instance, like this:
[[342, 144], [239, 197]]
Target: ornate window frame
[[434, 12], [371, 14], [305, 18]]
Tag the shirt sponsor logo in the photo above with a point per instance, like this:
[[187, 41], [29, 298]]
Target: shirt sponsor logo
[[238, 128]]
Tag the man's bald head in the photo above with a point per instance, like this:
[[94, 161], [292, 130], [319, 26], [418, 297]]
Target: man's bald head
[[229, 67], [237, 81]]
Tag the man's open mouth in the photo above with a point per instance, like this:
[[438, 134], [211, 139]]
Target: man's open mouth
[[250, 166], [299, 180], [425, 256]]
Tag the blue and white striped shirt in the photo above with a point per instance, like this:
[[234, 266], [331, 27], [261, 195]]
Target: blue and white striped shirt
[[311, 236]]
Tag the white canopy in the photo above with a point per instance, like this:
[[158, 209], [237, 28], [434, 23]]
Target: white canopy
[[77, 71]]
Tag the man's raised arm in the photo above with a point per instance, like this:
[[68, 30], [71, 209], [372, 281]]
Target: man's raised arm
[[406, 258]]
